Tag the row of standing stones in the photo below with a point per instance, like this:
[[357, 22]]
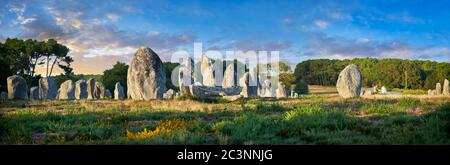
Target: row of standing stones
[[68, 90], [146, 80]]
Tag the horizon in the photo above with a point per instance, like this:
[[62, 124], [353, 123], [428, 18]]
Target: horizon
[[112, 31]]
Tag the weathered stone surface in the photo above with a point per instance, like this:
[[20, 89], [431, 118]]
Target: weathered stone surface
[[438, 89], [244, 83], [67, 90], [281, 91], [47, 88], [99, 90], [383, 90], [349, 82], [445, 88], [367, 92], [119, 93], [34, 93], [17, 88], [229, 77], [429, 92], [204, 91], [146, 77], [185, 78], [267, 89], [108, 94], [169, 94], [81, 89], [3, 96], [207, 70], [90, 88]]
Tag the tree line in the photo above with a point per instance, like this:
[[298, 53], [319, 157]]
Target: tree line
[[21, 57], [389, 72]]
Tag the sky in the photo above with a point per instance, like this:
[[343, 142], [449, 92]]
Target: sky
[[100, 33]]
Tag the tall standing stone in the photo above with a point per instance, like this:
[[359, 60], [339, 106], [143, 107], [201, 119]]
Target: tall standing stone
[[207, 70], [34, 93], [67, 90], [281, 90], [90, 88], [47, 88], [146, 77], [244, 83], [349, 82], [17, 88], [229, 78], [99, 90], [267, 89], [119, 93], [81, 89], [185, 78], [438, 89], [445, 88]]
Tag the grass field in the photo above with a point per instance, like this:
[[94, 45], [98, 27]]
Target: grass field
[[321, 118]]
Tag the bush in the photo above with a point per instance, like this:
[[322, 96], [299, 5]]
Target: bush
[[301, 87]]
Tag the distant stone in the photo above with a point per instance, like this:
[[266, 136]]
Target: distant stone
[[108, 94], [67, 90], [17, 88], [47, 88], [430, 92], [146, 77], [185, 78], [295, 95], [90, 89], [229, 77], [244, 83], [169, 94], [349, 82], [204, 91], [438, 89], [3, 96], [81, 90], [383, 90], [267, 89], [34, 93], [281, 91], [207, 70], [119, 93], [446, 91], [99, 90], [367, 92]]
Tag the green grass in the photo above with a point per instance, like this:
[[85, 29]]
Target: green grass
[[314, 120]]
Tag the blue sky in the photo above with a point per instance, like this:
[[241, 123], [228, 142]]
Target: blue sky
[[99, 33]]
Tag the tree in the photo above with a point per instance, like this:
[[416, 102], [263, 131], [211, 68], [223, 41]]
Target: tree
[[118, 73]]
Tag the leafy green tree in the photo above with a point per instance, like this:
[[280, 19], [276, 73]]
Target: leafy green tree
[[118, 73]]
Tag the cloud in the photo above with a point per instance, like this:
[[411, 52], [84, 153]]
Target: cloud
[[112, 16], [321, 23], [321, 45]]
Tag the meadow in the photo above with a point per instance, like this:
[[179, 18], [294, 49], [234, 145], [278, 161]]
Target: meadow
[[321, 117]]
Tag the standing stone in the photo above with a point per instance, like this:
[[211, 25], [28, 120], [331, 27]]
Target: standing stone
[[90, 89], [244, 83], [34, 93], [146, 77], [47, 88], [383, 90], [295, 95], [108, 94], [185, 78], [81, 89], [169, 94], [281, 91], [3, 96], [17, 88], [438, 89], [267, 89], [99, 90], [207, 70], [445, 90], [67, 90], [349, 82], [229, 78], [119, 93]]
